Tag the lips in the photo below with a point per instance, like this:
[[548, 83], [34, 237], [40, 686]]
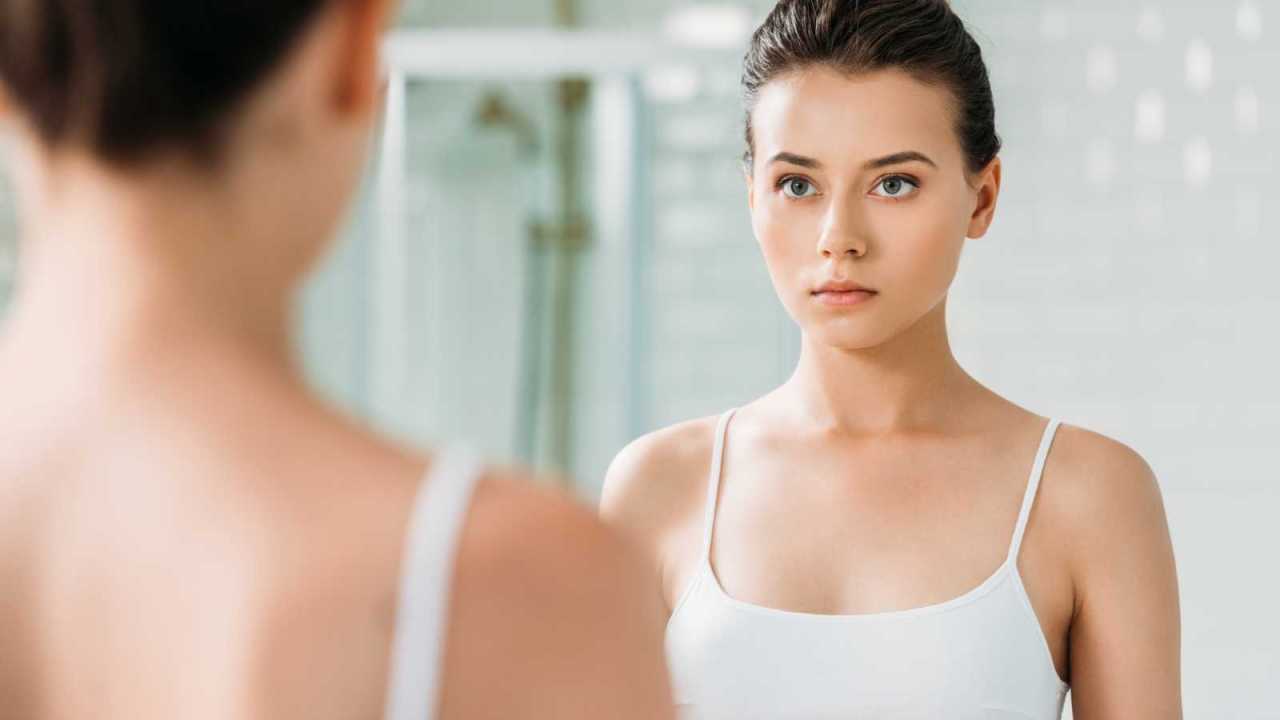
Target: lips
[[843, 293], [842, 286]]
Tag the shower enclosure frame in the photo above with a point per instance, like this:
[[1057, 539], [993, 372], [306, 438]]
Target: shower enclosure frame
[[615, 65]]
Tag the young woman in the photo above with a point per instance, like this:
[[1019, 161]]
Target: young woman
[[882, 536], [185, 530]]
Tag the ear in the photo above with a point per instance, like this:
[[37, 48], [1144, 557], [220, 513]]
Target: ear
[[751, 187], [988, 195], [360, 83]]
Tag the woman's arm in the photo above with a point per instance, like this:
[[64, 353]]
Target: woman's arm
[[1125, 634]]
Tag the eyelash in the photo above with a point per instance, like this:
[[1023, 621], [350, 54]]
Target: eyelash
[[909, 179], [782, 183]]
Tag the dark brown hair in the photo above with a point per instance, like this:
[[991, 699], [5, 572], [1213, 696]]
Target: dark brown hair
[[923, 38], [126, 77]]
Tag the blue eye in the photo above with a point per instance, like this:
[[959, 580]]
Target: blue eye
[[797, 188], [895, 187]]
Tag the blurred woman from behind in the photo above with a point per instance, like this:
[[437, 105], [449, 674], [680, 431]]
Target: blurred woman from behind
[[185, 529]]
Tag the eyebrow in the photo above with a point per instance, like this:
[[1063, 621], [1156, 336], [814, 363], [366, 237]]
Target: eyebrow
[[793, 159], [894, 159], [899, 158]]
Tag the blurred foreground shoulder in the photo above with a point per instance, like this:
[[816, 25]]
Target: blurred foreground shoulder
[[552, 614]]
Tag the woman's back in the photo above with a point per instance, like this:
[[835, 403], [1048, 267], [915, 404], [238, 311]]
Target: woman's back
[[162, 557]]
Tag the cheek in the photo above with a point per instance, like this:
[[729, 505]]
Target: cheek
[[923, 243], [786, 237]]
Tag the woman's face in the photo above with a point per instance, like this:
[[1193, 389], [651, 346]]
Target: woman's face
[[861, 200]]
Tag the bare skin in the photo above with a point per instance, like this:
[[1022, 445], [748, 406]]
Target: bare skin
[[185, 530], [929, 466]]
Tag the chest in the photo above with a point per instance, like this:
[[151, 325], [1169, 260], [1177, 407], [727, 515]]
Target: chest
[[866, 530], [875, 531]]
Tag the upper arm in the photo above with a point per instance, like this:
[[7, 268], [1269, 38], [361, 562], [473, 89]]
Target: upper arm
[[553, 618], [1125, 637]]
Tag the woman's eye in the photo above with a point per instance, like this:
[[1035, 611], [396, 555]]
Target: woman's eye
[[895, 187], [798, 188]]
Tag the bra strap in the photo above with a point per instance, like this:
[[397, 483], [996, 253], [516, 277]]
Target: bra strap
[[1033, 484], [426, 573], [713, 482]]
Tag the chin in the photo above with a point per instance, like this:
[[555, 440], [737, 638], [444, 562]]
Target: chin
[[847, 335]]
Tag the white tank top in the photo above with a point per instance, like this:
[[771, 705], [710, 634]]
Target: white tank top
[[980, 656], [426, 569]]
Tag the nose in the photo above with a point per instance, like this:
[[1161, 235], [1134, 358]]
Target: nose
[[843, 233]]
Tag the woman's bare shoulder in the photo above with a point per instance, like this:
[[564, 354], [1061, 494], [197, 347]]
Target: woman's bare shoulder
[[1090, 473], [658, 480], [1098, 494]]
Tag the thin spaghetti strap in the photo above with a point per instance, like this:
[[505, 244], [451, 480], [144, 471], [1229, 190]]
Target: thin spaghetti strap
[[422, 614], [1033, 484], [713, 482]]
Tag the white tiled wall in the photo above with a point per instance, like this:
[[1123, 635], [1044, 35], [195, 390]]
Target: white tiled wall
[[719, 333], [1129, 284]]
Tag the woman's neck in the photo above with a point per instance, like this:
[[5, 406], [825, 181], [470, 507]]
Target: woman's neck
[[911, 382], [108, 266]]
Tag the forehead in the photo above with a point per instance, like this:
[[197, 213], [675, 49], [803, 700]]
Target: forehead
[[834, 117]]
